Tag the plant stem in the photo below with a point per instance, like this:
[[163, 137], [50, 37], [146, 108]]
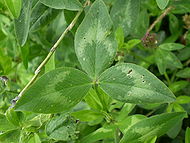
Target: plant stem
[[117, 138], [52, 51], [139, 57], [159, 19], [167, 78], [100, 97]]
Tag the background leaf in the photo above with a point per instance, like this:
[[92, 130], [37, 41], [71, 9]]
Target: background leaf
[[99, 134], [34, 139], [187, 135], [14, 7], [153, 126], [171, 46], [10, 136], [5, 125], [184, 73], [63, 4], [124, 13], [61, 128], [41, 15], [50, 64], [22, 24], [162, 4], [164, 59]]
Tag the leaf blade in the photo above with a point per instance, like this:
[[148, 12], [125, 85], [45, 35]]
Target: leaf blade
[[56, 91], [95, 45], [124, 13], [134, 84], [153, 126], [22, 24], [14, 7], [162, 4], [63, 4]]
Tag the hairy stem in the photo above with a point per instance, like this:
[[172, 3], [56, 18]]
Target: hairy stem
[[52, 51], [159, 19]]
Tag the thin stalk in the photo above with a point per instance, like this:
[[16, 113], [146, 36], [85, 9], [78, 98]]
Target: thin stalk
[[159, 19], [167, 78], [100, 97], [117, 137], [139, 57], [52, 51], [173, 76]]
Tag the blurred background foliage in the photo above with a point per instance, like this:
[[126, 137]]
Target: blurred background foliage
[[165, 51]]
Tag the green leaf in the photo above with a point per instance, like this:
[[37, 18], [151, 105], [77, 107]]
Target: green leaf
[[134, 84], [99, 134], [93, 100], [14, 7], [56, 91], [178, 108], [125, 124], [181, 6], [152, 140], [162, 4], [165, 59], [95, 44], [153, 126], [184, 54], [87, 115], [183, 99], [25, 51], [10, 136], [62, 127], [5, 125], [22, 24], [124, 14], [14, 117], [142, 24], [41, 15], [127, 108], [63, 4], [184, 73], [173, 24], [131, 44], [50, 64], [178, 85], [174, 131], [34, 139], [2, 34], [119, 34], [187, 135], [171, 46]]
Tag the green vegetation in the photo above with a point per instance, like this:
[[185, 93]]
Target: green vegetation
[[94, 71]]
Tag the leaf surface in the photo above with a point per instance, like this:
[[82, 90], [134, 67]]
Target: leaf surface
[[63, 4], [14, 7], [162, 4], [153, 126], [22, 24], [171, 46], [62, 128], [124, 13], [57, 91], [95, 44], [134, 84]]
